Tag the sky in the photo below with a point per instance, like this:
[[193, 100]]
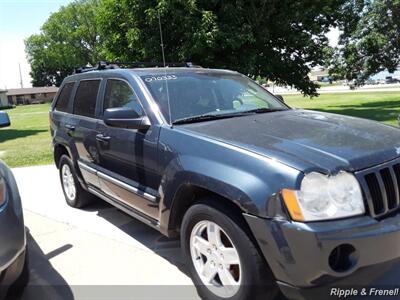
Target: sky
[[21, 18], [18, 20]]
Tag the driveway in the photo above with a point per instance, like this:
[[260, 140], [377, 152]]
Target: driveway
[[99, 252], [95, 253]]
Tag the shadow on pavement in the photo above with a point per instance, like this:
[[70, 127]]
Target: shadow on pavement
[[170, 248], [45, 282], [163, 246]]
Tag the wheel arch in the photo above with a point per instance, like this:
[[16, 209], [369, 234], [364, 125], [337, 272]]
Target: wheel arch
[[189, 194], [60, 150]]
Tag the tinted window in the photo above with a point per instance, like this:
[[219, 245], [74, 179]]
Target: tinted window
[[120, 94], [63, 98], [85, 98], [193, 94]]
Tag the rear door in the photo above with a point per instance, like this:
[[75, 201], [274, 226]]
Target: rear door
[[84, 130]]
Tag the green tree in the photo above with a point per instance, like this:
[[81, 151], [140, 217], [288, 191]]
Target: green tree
[[276, 39], [68, 39], [370, 41]]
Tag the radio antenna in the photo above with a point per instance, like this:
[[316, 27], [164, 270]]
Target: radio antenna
[[165, 69]]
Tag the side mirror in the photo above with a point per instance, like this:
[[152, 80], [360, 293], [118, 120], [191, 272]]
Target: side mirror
[[125, 118], [280, 98], [4, 119]]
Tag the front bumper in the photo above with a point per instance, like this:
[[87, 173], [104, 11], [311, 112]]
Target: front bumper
[[301, 254], [10, 275], [13, 271]]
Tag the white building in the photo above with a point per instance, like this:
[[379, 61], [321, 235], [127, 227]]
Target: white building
[[3, 98], [31, 95]]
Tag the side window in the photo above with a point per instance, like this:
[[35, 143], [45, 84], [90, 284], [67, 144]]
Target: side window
[[63, 98], [85, 98], [120, 94]]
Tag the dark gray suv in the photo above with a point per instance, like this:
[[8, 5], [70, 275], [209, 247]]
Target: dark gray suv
[[263, 197]]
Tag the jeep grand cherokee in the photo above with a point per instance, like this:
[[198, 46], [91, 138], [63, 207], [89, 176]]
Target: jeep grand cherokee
[[263, 197]]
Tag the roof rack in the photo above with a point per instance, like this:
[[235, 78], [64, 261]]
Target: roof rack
[[104, 65]]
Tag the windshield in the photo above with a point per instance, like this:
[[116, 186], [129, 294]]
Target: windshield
[[202, 93]]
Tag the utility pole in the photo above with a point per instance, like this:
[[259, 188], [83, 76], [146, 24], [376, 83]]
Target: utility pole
[[20, 76]]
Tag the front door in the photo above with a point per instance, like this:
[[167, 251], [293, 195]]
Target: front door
[[128, 157]]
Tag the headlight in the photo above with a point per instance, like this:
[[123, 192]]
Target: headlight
[[324, 197], [2, 191]]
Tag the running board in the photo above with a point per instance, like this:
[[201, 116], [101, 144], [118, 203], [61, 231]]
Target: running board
[[130, 211], [127, 187], [118, 182]]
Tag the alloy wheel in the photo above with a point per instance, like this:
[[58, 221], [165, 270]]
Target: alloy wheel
[[68, 182], [215, 259]]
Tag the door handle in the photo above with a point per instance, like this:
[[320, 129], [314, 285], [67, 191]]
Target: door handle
[[101, 138], [69, 127]]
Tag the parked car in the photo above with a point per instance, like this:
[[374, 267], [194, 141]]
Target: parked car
[[37, 101], [381, 81], [263, 197], [390, 80], [326, 79], [14, 266]]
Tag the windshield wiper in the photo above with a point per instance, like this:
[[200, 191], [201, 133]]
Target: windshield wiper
[[261, 110], [205, 117], [208, 117]]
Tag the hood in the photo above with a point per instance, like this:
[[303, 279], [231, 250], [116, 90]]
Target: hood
[[308, 139]]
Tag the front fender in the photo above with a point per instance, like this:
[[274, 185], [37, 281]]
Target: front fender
[[248, 190], [227, 181]]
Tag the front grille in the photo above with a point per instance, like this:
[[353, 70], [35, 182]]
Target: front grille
[[380, 186]]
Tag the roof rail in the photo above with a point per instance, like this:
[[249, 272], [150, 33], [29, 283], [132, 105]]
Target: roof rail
[[104, 65], [145, 64]]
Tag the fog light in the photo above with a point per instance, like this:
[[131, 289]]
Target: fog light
[[343, 258]]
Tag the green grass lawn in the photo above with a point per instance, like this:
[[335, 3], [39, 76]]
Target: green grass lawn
[[27, 142], [379, 106]]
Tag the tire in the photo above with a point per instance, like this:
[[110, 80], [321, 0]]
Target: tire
[[252, 278], [74, 194]]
